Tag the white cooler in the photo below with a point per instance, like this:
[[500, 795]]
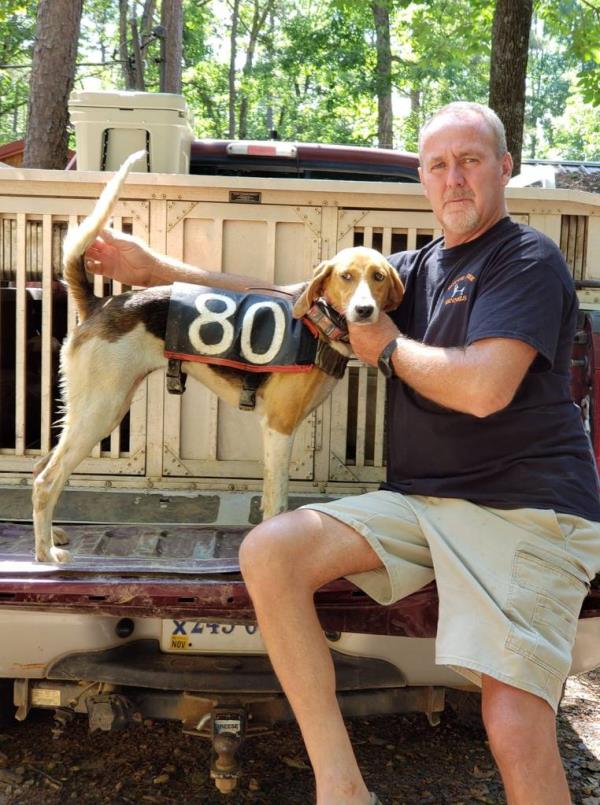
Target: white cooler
[[111, 125]]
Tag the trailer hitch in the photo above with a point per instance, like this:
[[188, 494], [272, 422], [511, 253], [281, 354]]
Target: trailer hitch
[[228, 733]]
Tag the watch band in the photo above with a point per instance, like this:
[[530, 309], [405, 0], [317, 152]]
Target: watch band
[[384, 362]]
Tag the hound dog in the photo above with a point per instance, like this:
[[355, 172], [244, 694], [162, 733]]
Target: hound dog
[[119, 340]]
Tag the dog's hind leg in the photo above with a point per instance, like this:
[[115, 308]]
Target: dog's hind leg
[[94, 408], [59, 537], [80, 435], [41, 463], [75, 444]]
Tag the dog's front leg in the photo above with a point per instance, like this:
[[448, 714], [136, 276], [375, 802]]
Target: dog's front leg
[[277, 453]]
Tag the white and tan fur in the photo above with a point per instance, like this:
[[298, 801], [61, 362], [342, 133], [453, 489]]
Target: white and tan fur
[[118, 342]]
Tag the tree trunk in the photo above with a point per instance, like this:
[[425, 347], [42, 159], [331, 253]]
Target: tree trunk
[[138, 58], [508, 72], [147, 23], [126, 62], [232, 58], [171, 19], [52, 76], [133, 53], [269, 115], [415, 101], [258, 21], [383, 76]]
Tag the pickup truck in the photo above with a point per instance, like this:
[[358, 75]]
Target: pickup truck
[[152, 618]]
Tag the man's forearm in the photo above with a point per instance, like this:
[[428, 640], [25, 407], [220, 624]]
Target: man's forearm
[[166, 270], [443, 375], [479, 380]]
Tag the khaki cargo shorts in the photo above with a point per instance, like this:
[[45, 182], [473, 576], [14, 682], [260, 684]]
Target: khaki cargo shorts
[[510, 582]]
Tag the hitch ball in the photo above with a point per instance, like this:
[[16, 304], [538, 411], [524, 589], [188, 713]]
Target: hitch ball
[[229, 727]]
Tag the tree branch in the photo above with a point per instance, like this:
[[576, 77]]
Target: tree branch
[[595, 9], [12, 108]]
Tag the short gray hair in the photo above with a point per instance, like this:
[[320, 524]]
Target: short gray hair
[[462, 108]]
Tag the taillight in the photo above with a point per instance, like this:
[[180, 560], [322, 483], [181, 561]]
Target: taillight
[[263, 149]]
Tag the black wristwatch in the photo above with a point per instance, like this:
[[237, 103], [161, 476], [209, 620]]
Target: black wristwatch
[[385, 359]]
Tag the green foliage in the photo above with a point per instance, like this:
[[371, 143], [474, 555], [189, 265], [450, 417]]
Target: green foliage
[[312, 78], [575, 134], [578, 21], [444, 53], [548, 86], [17, 24], [328, 95]]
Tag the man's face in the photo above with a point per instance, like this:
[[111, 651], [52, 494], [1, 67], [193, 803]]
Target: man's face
[[463, 176]]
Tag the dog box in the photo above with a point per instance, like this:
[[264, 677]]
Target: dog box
[[111, 125]]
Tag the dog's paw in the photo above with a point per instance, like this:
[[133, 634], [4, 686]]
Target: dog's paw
[[59, 555], [59, 536], [41, 554], [48, 550]]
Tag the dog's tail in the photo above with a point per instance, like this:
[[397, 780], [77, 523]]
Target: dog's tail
[[79, 238]]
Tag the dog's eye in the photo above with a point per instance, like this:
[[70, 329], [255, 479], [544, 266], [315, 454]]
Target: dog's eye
[[378, 276], [346, 276]]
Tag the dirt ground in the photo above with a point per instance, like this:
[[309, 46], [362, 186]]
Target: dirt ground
[[404, 759]]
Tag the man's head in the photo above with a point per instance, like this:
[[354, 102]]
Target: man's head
[[464, 169]]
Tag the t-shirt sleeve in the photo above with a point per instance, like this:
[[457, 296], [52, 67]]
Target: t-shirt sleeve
[[403, 263], [521, 299]]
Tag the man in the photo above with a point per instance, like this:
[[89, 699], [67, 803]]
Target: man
[[491, 484]]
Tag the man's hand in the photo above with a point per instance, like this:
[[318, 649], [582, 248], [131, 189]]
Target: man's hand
[[121, 257], [368, 340]]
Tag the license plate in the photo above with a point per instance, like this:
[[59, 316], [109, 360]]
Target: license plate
[[193, 636]]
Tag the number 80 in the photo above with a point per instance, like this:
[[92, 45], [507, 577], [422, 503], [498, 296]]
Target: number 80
[[222, 317]]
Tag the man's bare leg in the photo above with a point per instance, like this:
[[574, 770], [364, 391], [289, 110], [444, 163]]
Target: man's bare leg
[[521, 729], [283, 561]]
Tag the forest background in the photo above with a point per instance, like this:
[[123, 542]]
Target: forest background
[[364, 72]]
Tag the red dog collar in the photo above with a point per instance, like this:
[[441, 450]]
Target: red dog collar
[[322, 318]]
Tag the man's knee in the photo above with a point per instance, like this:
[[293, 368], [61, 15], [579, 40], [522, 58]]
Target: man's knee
[[515, 720], [269, 551]]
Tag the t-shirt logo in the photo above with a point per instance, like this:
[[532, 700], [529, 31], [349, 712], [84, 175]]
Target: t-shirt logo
[[459, 289]]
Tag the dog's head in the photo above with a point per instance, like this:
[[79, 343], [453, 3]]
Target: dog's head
[[358, 283]]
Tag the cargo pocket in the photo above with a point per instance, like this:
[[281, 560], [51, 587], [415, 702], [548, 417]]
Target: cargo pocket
[[545, 597]]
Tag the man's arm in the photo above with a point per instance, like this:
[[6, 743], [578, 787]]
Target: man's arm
[[129, 260], [479, 379]]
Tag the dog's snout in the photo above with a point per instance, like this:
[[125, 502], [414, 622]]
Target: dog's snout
[[364, 311]]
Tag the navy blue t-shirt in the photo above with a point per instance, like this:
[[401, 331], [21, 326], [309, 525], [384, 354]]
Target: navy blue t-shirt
[[511, 282]]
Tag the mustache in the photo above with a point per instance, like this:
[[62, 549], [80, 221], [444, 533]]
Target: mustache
[[454, 196]]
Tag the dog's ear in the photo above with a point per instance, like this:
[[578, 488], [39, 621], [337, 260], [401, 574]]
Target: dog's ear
[[313, 290], [396, 290]]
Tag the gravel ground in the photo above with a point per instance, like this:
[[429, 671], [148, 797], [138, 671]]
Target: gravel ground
[[404, 759]]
